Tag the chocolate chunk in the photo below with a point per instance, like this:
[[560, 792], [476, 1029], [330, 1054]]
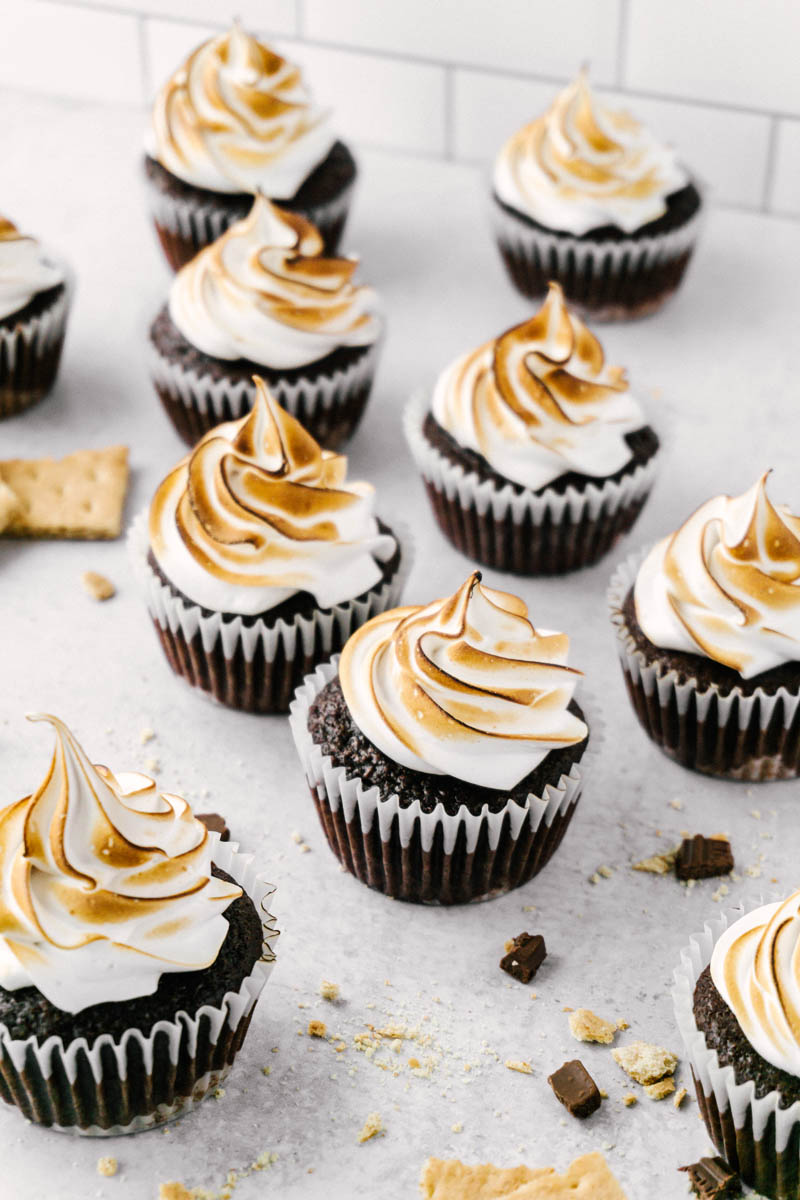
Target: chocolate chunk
[[713, 1179], [526, 955], [575, 1088], [702, 858], [215, 824]]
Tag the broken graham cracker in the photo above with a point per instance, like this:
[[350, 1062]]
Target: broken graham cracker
[[575, 1089], [587, 1178], [371, 1127], [79, 496], [713, 1179], [658, 864], [586, 1026], [645, 1063], [9, 505], [98, 587], [704, 858], [661, 1089], [525, 954]]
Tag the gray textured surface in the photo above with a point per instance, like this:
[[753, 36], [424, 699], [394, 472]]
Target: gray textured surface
[[718, 374]]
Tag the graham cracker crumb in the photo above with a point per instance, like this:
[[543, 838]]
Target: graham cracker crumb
[[296, 836], [107, 1166], [329, 991], [629, 1099], [680, 1096], [98, 587], [304, 848], [371, 1128], [266, 1070], [658, 1091], [146, 736], [524, 1068], [644, 1062], [623, 1025], [658, 864], [317, 1029], [676, 804], [457, 1128], [605, 872], [586, 1026]]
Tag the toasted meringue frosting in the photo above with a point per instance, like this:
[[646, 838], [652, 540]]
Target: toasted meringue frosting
[[105, 885], [257, 512], [755, 967], [727, 584], [463, 686], [236, 117], [582, 165], [25, 269], [264, 292], [540, 401]]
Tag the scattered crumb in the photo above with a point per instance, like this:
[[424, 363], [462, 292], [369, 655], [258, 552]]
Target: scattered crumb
[[296, 837], [266, 1070], [603, 1093], [524, 1068], [304, 847], [107, 1166], [755, 813], [680, 1096], [658, 864], [676, 804], [457, 1128], [152, 764], [98, 587], [317, 1029], [623, 1025], [721, 891], [146, 736], [219, 1092], [644, 1062], [605, 872], [371, 1128], [629, 1099], [329, 991], [661, 1089], [586, 1026]]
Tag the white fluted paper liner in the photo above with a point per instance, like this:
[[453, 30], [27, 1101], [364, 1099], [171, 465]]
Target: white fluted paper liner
[[345, 791], [181, 1033], [572, 504], [652, 677], [720, 1082], [303, 398]]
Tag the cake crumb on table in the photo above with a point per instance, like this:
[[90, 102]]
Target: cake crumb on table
[[586, 1026], [107, 1166], [371, 1127], [98, 586]]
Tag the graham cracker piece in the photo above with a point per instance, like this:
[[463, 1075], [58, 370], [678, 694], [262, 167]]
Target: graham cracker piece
[[9, 505], [586, 1026], [98, 587], [587, 1178], [371, 1128], [660, 1090], [645, 1063], [79, 496]]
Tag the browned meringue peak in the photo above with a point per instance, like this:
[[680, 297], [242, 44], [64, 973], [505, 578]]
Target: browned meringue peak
[[464, 686], [8, 230], [258, 511]]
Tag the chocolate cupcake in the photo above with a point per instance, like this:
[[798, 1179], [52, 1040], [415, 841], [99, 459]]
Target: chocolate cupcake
[[708, 633], [233, 120], [444, 749], [134, 947], [587, 196], [737, 998], [262, 300], [258, 559], [34, 302], [535, 454]]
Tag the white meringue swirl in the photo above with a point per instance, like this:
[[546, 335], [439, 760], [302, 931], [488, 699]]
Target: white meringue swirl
[[726, 585], [25, 270], [464, 686], [263, 292], [105, 885]]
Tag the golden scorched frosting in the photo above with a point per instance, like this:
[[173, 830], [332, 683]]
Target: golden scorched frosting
[[756, 969], [258, 512], [105, 885], [264, 292], [727, 584], [540, 400], [236, 117], [463, 686], [25, 270], [582, 166]]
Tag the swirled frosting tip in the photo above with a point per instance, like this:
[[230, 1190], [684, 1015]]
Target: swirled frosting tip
[[25, 269]]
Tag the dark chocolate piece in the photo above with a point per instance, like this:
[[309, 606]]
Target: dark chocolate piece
[[702, 858], [575, 1088], [215, 824], [526, 955], [713, 1179]]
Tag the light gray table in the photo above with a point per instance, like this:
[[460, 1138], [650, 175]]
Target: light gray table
[[720, 379]]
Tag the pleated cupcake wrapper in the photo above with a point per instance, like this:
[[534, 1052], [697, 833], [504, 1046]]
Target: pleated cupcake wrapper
[[757, 1137], [186, 226], [30, 353], [609, 280], [525, 532], [753, 737], [431, 857], [328, 406], [252, 666], [136, 1080]]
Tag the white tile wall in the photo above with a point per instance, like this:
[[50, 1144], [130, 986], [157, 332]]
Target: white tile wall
[[718, 78]]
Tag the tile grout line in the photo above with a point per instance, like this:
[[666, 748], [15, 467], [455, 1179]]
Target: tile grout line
[[622, 40], [771, 165], [449, 115], [144, 59]]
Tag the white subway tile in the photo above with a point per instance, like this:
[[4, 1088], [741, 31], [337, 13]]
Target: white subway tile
[[728, 150], [65, 51], [278, 16], [517, 35], [785, 196], [741, 52], [167, 44]]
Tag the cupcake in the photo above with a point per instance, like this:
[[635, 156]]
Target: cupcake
[[736, 1002], [134, 947], [258, 558], [444, 749], [233, 120], [708, 633], [34, 301], [261, 299], [587, 196], [535, 454]]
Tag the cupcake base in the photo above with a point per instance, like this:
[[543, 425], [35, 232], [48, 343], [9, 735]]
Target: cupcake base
[[701, 714], [605, 274], [434, 853], [187, 218], [31, 342]]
